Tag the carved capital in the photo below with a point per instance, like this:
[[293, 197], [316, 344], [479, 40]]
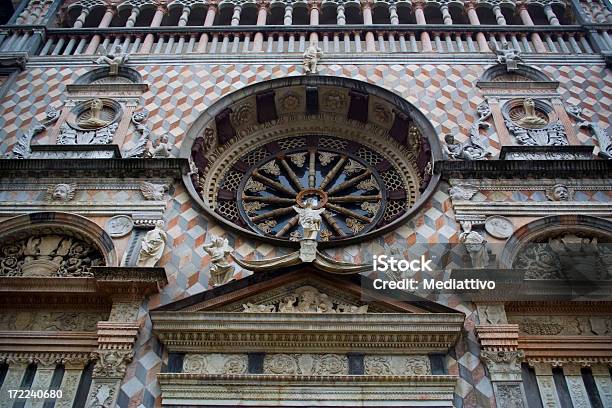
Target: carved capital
[[503, 365], [111, 363]]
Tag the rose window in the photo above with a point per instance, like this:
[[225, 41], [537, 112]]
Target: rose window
[[360, 188]]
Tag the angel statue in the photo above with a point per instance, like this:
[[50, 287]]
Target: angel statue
[[220, 271], [152, 246], [507, 55], [310, 219], [114, 59]]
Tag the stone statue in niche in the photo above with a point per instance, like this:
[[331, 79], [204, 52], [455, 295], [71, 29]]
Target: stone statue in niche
[[114, 59], [60, 192], [152, 246], [506, 55], [559, 192], [476, 246], [161, 148], [312, 56], [93, 120], [221, 271]]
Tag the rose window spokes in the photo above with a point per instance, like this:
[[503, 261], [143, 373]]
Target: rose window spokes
[[348, 187]]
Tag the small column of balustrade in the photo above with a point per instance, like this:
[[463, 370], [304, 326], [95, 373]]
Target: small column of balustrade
[[150, 38], [104, 23]]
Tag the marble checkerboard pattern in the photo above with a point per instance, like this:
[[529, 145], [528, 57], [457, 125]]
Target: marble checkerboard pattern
[[179, 94]]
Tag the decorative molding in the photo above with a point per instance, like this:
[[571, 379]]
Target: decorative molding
[[153, 210], [531, 208], [265, 389], [546, 153], [292, 332]]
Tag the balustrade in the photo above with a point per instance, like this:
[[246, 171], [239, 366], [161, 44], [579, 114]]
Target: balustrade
[[333, 40]]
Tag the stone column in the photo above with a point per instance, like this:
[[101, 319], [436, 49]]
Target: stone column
[[550, 15], [262, 13], [73, 369], [116, 339], [106, 20], [78, 23], [419, 16], [45, 366], [208, 22], [132, 18], [500, 354], [184, 16], [474, 20], [314, 8], [17, 366], [501, 20], [288, 17], [236, 15], [366, 9], [448, 20], [575, 385], [526, 19], [601, 375], [546, 385], [156, 22], [393, 14]]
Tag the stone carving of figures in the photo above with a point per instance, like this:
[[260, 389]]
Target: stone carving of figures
[[507, 55], [220, 271], [61, 192], [152, 246], [161, 148], [466, 150], [114, 59], [476, 246], [309, 219], [312, 56]]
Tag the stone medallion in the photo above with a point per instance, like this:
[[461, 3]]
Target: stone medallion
[[119, 226], [499, 227]]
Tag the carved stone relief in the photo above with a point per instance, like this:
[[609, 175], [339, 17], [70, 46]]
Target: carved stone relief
[[492, 314], [152, 191], [564, 325], [94, 123], [221, 271], [305, 299], [603, 136], [124, 311], [474, 148], [566, 256], [476, 247], [397, 365], [60, 192], [560, 192], [49, 255], [50, 320], [499, 227], [306, 364], [111, 363], [530, 123], [119, 226], [215, 363], [152, 246], [503, 365], [509, 395]]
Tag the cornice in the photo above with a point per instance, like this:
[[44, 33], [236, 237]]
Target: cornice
[[532, 208], [48, 342], [101, 168], [523, 168], [293, 332], [567, 349]]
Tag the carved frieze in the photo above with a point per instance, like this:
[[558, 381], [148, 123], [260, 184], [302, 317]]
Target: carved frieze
[[306, 364], [564, 325], [215, 363], [397, 365], [50, 320]]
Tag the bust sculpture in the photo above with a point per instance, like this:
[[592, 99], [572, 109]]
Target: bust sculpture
[[530, 120], [94, 121], [476, 246]]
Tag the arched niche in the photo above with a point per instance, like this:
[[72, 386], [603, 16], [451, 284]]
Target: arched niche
[[54, 244]]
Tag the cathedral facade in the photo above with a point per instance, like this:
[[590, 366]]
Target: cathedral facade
[[192, 193]]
